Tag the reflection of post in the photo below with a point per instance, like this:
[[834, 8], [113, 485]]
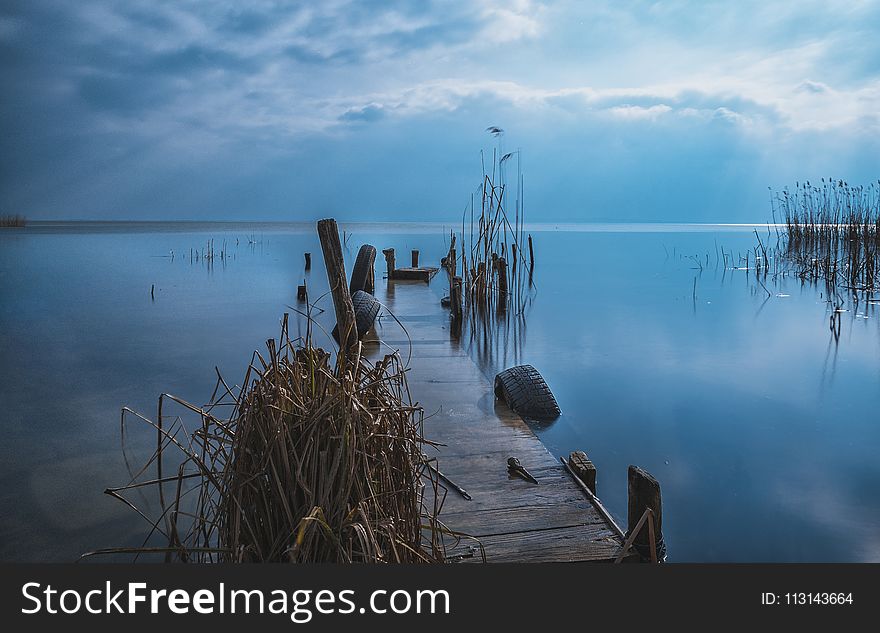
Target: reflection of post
[[531, 256], [502, 283], [345, 319], [450, 268], [308, 261], [455, 301], [513, 255], [644, 493], [389, 261]]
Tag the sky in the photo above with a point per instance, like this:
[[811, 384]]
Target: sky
[[622, 110]]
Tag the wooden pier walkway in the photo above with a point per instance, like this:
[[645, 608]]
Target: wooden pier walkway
[[515, 520]]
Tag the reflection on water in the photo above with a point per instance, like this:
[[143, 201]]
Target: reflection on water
[[754, 413]]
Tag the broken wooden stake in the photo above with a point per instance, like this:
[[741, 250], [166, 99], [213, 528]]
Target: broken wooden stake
[[644, 493], [502, 279], [389, 261], [332, 249], [415, 258]]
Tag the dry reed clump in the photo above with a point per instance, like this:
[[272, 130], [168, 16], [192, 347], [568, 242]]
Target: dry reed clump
[[317, 462], [12, 221]]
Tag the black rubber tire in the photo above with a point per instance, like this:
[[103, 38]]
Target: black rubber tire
[[362, 274], [526, 392], [366, 309]]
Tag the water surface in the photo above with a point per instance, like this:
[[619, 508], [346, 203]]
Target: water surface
[[759, 425]]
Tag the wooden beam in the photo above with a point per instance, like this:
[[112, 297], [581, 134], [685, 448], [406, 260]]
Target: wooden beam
[[345, 319]]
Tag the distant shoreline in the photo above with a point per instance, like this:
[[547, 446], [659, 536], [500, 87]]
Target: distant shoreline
[[185, 226]]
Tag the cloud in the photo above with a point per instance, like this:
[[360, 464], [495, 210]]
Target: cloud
[[368, 113], [150, 86]]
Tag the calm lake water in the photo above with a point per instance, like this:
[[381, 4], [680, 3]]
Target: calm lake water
[[761, 428]]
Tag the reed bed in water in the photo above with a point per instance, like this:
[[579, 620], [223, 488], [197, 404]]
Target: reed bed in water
[[12, 221], [317, 462], [494, 258], [832, 233]]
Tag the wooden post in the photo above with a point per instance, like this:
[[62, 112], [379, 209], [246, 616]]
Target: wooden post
[[415, 258], [481, 278], [308, 261], [389, 261], [644, 492], [502, 277], [502, 284], [450, 257], [301, 292], [345, 319], [581, 465]]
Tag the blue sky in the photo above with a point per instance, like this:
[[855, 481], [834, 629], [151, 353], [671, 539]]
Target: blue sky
[[623, 110]]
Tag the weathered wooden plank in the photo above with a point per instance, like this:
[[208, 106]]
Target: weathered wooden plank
[[582, 543], [522, 518], [515, 520], [422, 274]]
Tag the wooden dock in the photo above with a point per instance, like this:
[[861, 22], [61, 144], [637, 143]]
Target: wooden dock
[[513, 519]]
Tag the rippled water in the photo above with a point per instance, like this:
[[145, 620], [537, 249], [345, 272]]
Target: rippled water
[[761, 428]]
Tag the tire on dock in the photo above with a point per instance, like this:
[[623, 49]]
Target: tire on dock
[[362, 274], [526, 392], [366, 309]]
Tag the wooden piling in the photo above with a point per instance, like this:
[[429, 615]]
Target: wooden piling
[[502, 283], [308, 261], [644, 493], [389, 261], [415, 258], [581, 465], [302, 293], [332, 249]]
